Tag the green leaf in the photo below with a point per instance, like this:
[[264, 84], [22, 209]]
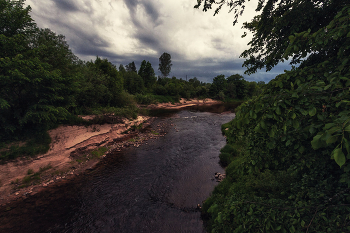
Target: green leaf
[[347, 128], [329, 125], [332, 139], [291, 38], [312, 112], [292, 229], [294, 115], [278, 110], [280, 85], [296, 123], [339, 156], [316, 142], [304, 112], [327, 87]]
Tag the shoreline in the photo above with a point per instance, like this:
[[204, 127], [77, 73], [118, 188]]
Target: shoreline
[[75, 150]]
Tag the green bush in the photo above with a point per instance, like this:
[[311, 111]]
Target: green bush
[[225, 158], [145, 99], [228, 153]]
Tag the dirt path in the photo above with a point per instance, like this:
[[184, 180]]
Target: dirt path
[[75, 149]]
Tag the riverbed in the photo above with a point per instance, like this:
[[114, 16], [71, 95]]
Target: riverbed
[[155, 187]]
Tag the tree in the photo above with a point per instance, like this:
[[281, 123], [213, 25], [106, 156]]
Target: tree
[[114, 80], [33, 93], [219, 83], [147, 73], [133, 83], [280, 19], [165, 64], [131, 67], [15, 19], [194, 82], [291, 143], [122, 69], [54, 50], [236, 87]]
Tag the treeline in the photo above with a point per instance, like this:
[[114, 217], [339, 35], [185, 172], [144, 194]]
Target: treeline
[[43, 83], [288, 149]]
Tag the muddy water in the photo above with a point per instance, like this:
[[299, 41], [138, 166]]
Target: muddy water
[[153, 188]]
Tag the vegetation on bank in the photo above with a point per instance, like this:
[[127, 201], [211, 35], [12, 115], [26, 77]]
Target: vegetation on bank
[[44, 84], [287, 151]]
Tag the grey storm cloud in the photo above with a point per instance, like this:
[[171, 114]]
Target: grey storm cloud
[[85, 42], [143, 29], [66, 5], [150, 9], [124, 31]]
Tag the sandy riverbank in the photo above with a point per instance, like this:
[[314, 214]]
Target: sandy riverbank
[[73, 150]]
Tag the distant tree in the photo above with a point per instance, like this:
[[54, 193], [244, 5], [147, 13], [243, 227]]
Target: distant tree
[[236, 87], [114, 79], [131, 67], [194, 82], [147, 73], [93, 88], [133, 83], [165, 64], [122, 69], [219, 83]]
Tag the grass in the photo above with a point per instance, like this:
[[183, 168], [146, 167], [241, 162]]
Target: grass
[[145, 99], [43, 169], [154, 132], [99, 152], [79, 160], [16, 181], [38, 144], [31, 177], [59, 172], [136, 127], [30, 171]]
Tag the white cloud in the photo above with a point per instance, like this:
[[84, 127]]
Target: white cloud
[[135, 28]]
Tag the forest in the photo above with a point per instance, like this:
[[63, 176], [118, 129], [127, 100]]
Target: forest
[[44, 84], [287, 152]]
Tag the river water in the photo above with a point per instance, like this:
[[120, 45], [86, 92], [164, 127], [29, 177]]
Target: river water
[[153, 188]]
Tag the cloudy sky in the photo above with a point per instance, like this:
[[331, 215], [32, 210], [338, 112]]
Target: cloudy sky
[[123, 31]]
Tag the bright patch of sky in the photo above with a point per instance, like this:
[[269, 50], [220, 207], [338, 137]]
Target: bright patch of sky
[[123, 31]]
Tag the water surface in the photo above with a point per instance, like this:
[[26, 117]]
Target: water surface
[[153, 188]]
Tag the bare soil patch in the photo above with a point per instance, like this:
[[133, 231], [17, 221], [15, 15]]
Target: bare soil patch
[[184, 103]]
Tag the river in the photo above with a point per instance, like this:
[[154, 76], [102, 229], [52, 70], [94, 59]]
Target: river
[[153, 188]]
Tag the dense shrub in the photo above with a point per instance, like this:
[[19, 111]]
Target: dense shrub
[[293, 172]]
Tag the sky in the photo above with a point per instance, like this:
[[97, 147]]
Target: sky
[[201, 45]]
